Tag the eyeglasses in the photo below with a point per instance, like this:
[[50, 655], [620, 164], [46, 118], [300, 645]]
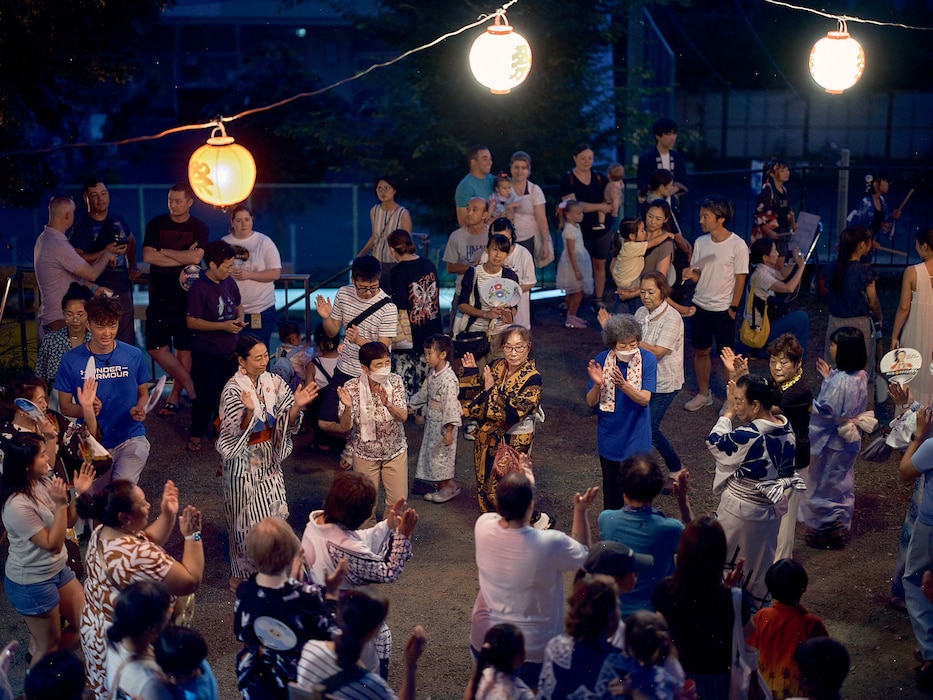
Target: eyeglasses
[[367, 289], [384, 188], [521, 347], [75, 314]]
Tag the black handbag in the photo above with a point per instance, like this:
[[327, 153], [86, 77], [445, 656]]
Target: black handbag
[[475, 342]]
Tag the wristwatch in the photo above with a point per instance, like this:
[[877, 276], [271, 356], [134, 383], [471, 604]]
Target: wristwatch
[[196, 536], [734, 309]]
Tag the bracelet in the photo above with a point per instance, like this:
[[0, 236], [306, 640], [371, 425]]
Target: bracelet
[[94, 288], [196, 536]]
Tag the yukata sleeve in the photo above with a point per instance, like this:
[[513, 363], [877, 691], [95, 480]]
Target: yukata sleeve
[[450, 406], [233, 438]]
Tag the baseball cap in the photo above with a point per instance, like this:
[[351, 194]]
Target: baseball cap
[[615, 559]]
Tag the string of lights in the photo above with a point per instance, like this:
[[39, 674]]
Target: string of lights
[[498, 15]]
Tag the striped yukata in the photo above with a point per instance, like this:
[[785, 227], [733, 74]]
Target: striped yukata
[[253, 483]]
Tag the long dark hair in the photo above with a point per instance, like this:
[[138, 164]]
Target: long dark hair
[[502, 643], [18, 456], [107, 505], [701, 557], [361, 611], [849, 240]]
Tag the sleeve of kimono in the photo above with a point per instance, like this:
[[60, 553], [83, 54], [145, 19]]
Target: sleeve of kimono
[[729, 446], [386, 564], [450, 406], [518, 404], [836, 401], [232, 438]]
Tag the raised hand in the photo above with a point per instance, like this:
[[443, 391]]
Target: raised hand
[[190, 521], [727, 355], [58, 491], [468, 360], [582, 501], [304, 395], [83, 478], [323, 307], [87, 394], [344, 397], [488, 380], [414, 648], [407, 522], [247, 398], [334, 580], [169, 505], [822, 367], [595, 370], [395, 512]]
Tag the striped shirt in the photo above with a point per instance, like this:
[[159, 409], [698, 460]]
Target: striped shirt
[[666, 331], [382, 324], [318, 663]]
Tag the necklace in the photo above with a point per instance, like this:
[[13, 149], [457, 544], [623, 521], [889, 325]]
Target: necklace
[[105, 360]]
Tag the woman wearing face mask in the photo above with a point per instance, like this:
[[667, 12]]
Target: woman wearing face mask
[[754, 468], [622, 380], [375, 406], [259, 414]]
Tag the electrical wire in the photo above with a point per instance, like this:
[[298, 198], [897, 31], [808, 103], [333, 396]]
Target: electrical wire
[[500, 13], [848, 18]]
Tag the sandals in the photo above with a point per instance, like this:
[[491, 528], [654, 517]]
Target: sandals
[[443, 495], [168, 410], [194, 444]]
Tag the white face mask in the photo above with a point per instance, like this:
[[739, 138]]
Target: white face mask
[[380, 376], [625, 355]]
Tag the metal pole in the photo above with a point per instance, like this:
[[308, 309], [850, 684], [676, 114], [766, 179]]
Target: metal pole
[[842, 201]]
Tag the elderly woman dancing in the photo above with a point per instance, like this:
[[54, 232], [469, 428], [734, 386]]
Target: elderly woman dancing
[[622, 379], [258, 416]]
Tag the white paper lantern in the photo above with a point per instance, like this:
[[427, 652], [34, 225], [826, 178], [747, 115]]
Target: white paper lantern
[[500, 58], [837, 61]]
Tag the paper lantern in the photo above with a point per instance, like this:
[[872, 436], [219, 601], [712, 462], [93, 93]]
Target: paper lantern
[[500, 58], [837, 61], [221, 172]]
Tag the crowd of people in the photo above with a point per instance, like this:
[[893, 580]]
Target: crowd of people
[[658, 606]]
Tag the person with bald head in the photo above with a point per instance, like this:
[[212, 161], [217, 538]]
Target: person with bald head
[[57, 265], [466, 245]]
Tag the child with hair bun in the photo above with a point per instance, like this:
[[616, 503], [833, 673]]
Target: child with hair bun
[[332, 667], [495, 675], [642, 671]]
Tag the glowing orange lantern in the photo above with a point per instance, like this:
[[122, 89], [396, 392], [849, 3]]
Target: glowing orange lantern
[[500, 58], [221, 172]]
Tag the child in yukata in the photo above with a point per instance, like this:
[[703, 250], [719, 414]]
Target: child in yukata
[[438, 456]]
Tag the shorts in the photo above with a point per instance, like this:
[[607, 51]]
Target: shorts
[[33, 599], [598, 246], [162, 330], [709, 325]]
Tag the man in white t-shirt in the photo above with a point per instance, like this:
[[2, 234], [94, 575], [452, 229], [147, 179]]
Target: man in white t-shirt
[[466, 245], [719, 267]]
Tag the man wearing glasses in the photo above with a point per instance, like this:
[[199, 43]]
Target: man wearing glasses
[[366, 313]]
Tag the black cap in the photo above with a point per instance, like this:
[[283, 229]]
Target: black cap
[[615, 559]]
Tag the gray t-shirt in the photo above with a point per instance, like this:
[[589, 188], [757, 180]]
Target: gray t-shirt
[[23, 517]]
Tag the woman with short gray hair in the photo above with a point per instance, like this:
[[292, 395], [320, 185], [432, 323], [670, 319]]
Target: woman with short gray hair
[[622, 379]]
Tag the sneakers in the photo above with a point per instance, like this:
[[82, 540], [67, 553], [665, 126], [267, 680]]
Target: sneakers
[[346, 457], [574, 322], [699, 401], [443, 495], [599, 227]]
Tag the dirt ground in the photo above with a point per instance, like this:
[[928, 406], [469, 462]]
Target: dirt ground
[[849, 589]]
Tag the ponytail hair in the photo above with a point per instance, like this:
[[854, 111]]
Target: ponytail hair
[[107, 506], [140, 607], [501, 645], [647, 638], [362, 611]]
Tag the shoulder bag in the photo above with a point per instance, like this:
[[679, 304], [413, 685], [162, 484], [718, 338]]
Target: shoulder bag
[[755, 337]]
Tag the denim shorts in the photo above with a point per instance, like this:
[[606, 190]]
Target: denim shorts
[[34, 599]]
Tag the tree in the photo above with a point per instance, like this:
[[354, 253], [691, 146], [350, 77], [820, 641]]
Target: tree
[[54, 54]]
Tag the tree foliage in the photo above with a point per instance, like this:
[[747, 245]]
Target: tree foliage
[[53, 54]]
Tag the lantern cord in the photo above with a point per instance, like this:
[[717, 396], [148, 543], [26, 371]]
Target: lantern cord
[[500, 12], [848, 18]]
